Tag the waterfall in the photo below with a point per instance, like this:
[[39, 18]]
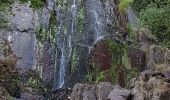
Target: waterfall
[[95, 29], [66, 28], [132, 18]]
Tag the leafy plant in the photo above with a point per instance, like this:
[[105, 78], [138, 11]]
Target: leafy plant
[[4, 12], [124, 4], [157, 20], [155, 15], [35, 3]]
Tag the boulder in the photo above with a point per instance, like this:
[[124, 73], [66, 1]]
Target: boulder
[[151, 85], [23, 16], [80, 89], [119, 93], [91, 92], [102, 90]]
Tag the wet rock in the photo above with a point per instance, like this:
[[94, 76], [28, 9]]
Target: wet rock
[[151, 85], [48, 61], [119, 93], [77, 70], [95, 22], [91, 92]]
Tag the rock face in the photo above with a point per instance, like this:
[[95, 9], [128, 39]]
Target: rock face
[[151, 85], [22, 19], [154, 83], [91, 92], [78, 66], [21, 34], [159, 58], [137, 59], [102, 56]]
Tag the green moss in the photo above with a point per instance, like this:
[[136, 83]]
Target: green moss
[[81, 20], [124, 4], [117, 51], [74, 61], [155, 16], [100, 77], [36, 4], [47, 34]]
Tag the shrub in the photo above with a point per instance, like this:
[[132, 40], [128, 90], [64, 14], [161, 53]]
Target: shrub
[[157, 21]]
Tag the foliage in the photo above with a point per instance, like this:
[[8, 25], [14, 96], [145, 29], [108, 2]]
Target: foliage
[[100, 77], [156, 17], [120, 62], [44, 34], [131, 73], [35, 3], [118, 50], [124, 4], [4, 12], [80, 20], [41, 34], [74, 61], [139, 5]]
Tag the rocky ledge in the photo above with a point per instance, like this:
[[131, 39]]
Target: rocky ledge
[[151, 84]]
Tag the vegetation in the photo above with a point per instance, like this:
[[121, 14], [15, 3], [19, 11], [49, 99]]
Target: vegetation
[[155, 15], [35, 3], [120, 65], [124, 4], [4, 12], [74, 61]]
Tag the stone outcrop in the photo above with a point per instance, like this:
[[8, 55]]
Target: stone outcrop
[[151, 85], [137, 59], [22, 19], [158, 58], [119, 93], [91, 92], [154, 83]]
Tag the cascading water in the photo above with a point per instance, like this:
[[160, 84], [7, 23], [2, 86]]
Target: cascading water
[[66, 28], [132, 18], [95, 22]]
